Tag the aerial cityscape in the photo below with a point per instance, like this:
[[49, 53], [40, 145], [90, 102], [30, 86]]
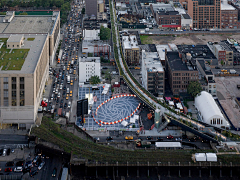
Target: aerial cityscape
[[119, 89]]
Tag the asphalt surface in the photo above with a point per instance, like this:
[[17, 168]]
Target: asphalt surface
[[6, 139]]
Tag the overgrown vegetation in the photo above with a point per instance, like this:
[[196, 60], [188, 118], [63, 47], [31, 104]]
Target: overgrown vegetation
[[30, 39], [105, 33]]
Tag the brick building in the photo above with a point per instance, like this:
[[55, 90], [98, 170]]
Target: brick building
[[229, 16], [204, 13], [179, 72]]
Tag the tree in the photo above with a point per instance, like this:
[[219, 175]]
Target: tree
[[94, 80], [83, 10], [109, 75], [105, 33], [194, 88]]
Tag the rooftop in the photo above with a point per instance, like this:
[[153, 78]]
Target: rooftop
[[161, 50], [226, 6], [90, 59], [205, 68], [176, 63], [28, 24], [168, 12], [15, 38], [25, 59], [152, 62], [130, 42], [197, 51], [186, 16], [162, 7]]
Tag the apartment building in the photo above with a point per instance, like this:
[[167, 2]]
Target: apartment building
[[179, 72], [22, 80], [88, 67], [223, 52], [204, 13], [130, 49], [207, 77], [229, 16], [153, 75]]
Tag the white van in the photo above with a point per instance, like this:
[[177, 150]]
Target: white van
[[68, 90]]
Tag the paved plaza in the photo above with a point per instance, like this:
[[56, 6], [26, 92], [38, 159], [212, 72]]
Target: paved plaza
[[111, 111]]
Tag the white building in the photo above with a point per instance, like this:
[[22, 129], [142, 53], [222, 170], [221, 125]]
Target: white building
[[88, 67], [152, 73], [209, 112], [89, 35]]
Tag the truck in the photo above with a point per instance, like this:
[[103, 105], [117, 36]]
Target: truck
[[233, 71], [60, 111], [147, 29], [68, 79], [67, 115], [143, 144]]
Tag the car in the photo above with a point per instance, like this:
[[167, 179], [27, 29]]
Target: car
[[64, 88], [61, 101], [10, 163], [19, 163], [129, 137], [97, 139], [34, 173], [67, 97], [28, 164], [56, 92], [35, 159], [54, 89], [149, 138], [105, 67], [216, 67], [170, 137], [59, 95], [25, 170], [41, 165], [61, 86], [109, 138], [65, 105], [18, 169], [184, 136], [159, 139], [1, 152], [69, 104], [8, 170], [8, 151], [39, 161], [54, 173], [70, 95]]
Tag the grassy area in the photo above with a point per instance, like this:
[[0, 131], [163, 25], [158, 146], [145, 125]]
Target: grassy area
[[13, 60], [30, 39], [145, 39]]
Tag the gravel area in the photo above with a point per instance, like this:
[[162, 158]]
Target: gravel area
[[227, 86]]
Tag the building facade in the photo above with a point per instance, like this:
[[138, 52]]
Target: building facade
[[229, 16], [179, 73], [88, 67], [21, 90], [168, 19], [205, 14], [130, 49], [153, 75]]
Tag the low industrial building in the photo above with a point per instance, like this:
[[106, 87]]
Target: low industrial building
[[34, 24], [161, 48], [23, 75], [209, 112], [153, 75], [88, 67], [130, 49]]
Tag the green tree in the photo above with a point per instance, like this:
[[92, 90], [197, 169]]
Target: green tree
[[83, 10], [194, 88], [109, 75], [94, 80], [105, 33]]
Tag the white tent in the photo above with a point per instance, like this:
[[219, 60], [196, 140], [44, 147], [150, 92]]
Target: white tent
[[171, 103], [132, 120], [136, 117], [211, 157], [200, 156], [209, 111], [124, 123], [168, 144]]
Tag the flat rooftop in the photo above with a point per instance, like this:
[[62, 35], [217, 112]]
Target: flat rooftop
[[202, 64], [15, 38], [152, 62], [28, 24], [161, 50], [175, 62], [33, 50], [197, 51], [226, 6], [130, 42], [90, 59]]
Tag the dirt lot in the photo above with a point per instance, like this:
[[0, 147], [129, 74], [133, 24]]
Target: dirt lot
[[227, 86], [187, 39]]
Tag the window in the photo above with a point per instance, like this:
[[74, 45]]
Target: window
[[12, 45]]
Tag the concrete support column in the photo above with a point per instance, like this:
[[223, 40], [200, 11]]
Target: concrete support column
[[179, 171], [168, 170], [200, 172], [148, 170], [106, 169], [96, 170], [210, 171], [117, 170], [231, 169], [189, 171], [137, 169], [127, 169], [113, 174], [220, 169]]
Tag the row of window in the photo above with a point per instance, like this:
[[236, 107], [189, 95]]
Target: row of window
[[216, 121]]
